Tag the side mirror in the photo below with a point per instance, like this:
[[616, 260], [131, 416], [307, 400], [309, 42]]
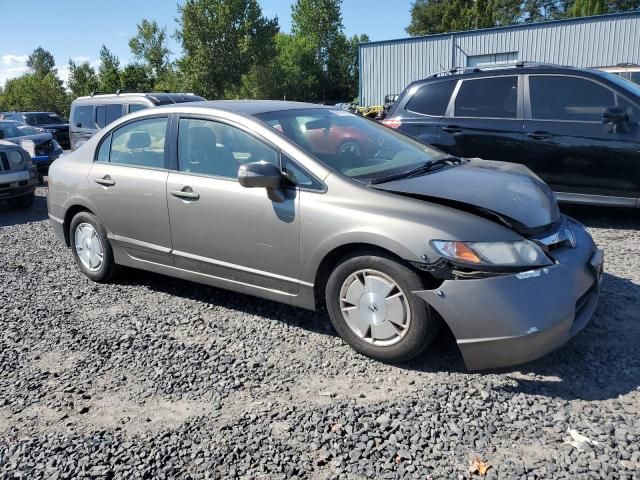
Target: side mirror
[[259, 175], [615, 116]]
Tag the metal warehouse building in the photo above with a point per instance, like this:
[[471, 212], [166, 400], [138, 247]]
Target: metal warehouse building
[[387, 67]]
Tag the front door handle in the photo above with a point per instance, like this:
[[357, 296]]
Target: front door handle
[[105, 181], [539, 135], [451, 129], [186, 194]]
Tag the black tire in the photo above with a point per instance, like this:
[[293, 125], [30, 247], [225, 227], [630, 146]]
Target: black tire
[[23, 202], [424, 324], [108, 269]]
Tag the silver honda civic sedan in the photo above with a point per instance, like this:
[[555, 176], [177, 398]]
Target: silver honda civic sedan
[[319, 208]]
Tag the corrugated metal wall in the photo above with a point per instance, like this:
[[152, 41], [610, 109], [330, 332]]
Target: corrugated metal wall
[[388, 67]]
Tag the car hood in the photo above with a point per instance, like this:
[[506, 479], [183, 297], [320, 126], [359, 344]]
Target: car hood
[[506, 192], [37, 139], [55, 126]]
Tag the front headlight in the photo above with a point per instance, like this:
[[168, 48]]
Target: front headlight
[[16, 157], [524, 253]]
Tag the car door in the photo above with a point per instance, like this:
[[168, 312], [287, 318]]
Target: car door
[[568, 145], [484, 119], [221, 229], [424, 109], [128, 185]]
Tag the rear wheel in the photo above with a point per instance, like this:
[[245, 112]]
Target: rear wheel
[[91, 248], [371, 306]]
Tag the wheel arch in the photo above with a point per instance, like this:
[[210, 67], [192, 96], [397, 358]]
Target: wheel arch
[[68, 217], [336, 255]]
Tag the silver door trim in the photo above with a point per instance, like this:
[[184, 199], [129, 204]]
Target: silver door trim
[[139, 243], [234, 266], [604, 200]]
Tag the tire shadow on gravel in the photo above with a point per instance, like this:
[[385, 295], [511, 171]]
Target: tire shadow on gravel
[[604, 217], [10, 216]]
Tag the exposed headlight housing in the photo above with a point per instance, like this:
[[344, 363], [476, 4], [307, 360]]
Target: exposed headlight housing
[[523, 253]]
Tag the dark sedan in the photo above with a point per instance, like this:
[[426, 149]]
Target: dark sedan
[[48, 121], [46, 148]]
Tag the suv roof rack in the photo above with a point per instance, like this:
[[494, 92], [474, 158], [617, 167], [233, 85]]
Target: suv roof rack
[[493, 66]]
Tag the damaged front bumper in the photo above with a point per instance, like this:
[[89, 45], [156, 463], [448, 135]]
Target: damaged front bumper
[[512, 319]]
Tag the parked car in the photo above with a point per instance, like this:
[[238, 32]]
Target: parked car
[[18, 176], [576, 129], [47, 150], [48, 121], [90, 114], [390, 241]]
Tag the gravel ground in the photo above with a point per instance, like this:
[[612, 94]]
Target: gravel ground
[[152, 377]]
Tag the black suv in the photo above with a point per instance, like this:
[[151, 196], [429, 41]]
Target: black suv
[[576, 128], [48, 121]]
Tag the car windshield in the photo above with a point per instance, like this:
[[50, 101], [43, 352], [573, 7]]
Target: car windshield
[[355, 146], [16, 129], [43, 119]]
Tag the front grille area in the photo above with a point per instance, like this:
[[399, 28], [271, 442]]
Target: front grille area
[[4, 162]]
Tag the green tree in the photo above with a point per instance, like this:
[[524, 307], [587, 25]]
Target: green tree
[[82, 79], [149, 47], [222, 41], [321, 22], [41, 63], [136, 78], [31, 92], [108, 71], [584, 8]]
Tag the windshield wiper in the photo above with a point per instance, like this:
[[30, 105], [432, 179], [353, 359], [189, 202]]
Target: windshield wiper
[[422, 169]]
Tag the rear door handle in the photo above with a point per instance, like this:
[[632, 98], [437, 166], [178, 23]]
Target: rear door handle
[[186, 194], [538, 135], [105, 181], [451, 129]]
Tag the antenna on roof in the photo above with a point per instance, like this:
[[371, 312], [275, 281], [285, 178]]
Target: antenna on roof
[[118, 92]]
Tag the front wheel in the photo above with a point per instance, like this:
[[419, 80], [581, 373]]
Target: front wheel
[[371, 306], [91, 248]]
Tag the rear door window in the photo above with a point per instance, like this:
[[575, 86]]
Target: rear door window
[[495, 97], [105, 114], [140, 143], [134, 107], [556, 97], [432, 99], [82, 116]]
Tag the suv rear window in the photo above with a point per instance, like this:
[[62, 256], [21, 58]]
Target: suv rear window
[[495, 97], [555, 97], [432, 99]]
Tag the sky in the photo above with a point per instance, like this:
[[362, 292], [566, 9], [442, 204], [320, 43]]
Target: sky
[[77, 28]]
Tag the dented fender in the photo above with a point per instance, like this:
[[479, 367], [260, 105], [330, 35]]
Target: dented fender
[[511, 319]]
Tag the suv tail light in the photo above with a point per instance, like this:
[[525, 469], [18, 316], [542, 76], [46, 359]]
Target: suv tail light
[[392, 123]]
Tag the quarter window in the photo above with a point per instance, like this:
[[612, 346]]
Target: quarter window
[[495, 97], [82, 116], [105, 114], [432, 99], [568, 98], [140, 143], [212, 148], [134, 107]]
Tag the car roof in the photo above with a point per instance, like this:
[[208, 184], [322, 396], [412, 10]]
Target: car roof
[[36, 113], [503, 70], [251, 107], [154, 97]]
